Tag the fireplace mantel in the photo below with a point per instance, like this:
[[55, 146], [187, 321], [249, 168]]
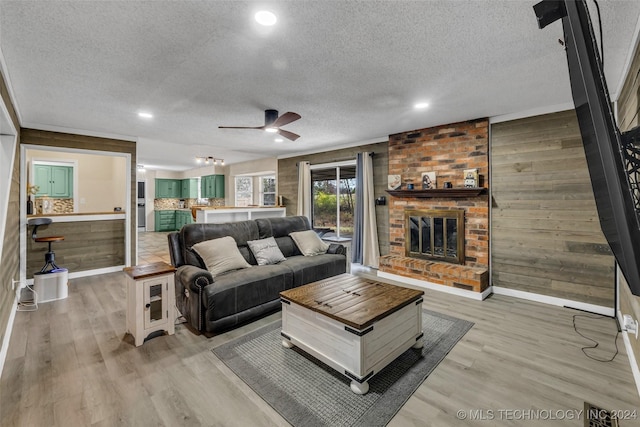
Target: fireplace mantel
[[439, 192]]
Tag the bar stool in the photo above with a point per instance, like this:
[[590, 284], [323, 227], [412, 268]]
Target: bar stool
[[50, 256]]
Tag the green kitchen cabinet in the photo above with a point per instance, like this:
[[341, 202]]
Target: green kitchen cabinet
[[183, 218], [53, 181], [165, 220], [189, 188], [168, 188], [212, 186]]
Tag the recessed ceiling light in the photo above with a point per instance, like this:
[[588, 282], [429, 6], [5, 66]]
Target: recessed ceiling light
[[421, 105], [145, 115], [278, 140], [266, 18]]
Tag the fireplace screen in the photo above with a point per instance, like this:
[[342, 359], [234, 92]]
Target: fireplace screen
[[436, 234]]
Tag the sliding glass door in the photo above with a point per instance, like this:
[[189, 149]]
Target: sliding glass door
[[334, 198]]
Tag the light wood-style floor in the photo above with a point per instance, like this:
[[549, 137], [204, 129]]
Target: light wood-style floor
[[71, 364]]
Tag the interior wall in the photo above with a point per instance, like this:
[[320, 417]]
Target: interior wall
[[628, 118], [546, 236], [101, 179], [261, 167], [10, 260], [65, 140], [287, 180]]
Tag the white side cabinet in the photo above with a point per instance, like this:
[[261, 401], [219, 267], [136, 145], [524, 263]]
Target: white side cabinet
[[150, 300]]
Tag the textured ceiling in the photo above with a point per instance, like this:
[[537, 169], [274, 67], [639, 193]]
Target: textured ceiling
[[352, 69]]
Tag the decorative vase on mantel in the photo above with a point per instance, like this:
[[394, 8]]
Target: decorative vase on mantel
[[29, 206]]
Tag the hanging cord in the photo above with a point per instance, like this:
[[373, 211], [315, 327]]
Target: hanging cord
[[595, 343]]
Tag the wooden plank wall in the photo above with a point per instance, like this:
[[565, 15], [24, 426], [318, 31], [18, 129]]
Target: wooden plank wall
[[10, 262], [546, 237], [57, 139], [288, 180], [628, 106], [87, 245]]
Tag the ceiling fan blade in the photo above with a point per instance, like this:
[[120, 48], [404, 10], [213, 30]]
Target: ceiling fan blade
[[240, 127], [285, 119], [289, 135]]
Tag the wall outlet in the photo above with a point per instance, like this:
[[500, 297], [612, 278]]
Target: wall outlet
[[630, 325]]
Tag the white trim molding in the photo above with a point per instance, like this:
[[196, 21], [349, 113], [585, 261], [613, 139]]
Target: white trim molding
[[635, 369], [561, 302], [435, 287], [7, 333]]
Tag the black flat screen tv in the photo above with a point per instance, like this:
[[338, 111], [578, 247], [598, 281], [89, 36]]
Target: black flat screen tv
[[601, 137]]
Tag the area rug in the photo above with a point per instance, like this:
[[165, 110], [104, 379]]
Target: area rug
[[306, 392]]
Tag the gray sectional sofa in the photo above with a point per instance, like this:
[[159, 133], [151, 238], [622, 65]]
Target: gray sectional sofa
[[211, 305]]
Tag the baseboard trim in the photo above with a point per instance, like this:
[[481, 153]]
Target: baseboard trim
[[635, 369], [562, 302], [7, 333], [436, 287], [85, 273]]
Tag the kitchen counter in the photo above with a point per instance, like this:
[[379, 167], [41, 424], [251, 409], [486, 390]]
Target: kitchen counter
[[220, 214], [81, 216]]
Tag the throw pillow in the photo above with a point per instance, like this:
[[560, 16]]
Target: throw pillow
[[266, 251], [220, 255], [309, 243]]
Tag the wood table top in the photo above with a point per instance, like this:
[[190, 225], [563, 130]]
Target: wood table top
[[352, 300], [148, 270]]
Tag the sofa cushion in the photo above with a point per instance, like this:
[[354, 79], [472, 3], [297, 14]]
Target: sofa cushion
[[241, 231], [279, 228], [266, 251], [309, 243], [310, 269], [220, 255], [241, 290]]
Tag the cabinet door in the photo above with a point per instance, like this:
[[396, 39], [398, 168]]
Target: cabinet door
[[155, 299], [219, 187], [189, 188], [175, 188], [162, 188], [42, 178], [206, 186], [61, 181]]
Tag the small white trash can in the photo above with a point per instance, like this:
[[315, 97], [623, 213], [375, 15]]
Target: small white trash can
[[51, 285]]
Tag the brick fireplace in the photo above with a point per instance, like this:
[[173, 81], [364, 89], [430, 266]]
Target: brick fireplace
[[448, 151]]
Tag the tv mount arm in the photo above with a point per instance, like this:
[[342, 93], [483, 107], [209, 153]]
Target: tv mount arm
[[613, 158]]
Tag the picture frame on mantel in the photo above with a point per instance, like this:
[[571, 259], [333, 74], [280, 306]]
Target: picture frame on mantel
[[471, 178], [394, 182], [429, 181]]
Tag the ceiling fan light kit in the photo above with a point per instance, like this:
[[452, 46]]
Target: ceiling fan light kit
[[273, 124]]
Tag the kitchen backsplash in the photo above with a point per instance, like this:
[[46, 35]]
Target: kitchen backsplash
[[60, 206], [188, 203]]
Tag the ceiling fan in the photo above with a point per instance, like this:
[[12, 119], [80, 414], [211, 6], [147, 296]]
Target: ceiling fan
[[272, 123]]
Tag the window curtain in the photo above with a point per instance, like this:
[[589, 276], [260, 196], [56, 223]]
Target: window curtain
[[304, 189], [364, 246]]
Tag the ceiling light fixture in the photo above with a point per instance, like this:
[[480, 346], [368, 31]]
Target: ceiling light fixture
[[278, 140], [421, 105], [145, 115], [266, 18], [271, 130], [207, 159]]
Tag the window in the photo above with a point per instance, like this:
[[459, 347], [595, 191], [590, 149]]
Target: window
[[244, 190], [334, 198], [268, 190]]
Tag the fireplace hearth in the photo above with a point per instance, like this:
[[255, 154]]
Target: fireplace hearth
[[435, 234]]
